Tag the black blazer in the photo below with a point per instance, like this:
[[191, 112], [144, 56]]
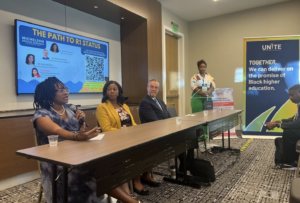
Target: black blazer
[[149, 110]]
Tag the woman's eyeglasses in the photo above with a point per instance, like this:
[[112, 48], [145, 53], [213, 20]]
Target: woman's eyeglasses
[[63, 90]]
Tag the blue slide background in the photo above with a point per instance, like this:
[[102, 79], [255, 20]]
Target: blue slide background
[[71, 64], [258, 101]]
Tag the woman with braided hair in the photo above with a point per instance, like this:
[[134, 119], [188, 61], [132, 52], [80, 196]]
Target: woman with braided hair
[[53, 116]]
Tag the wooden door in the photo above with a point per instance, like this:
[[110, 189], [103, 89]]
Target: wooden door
[[172, 70]]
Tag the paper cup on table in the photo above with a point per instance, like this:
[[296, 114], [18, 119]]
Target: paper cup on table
[[53, 140], [178, 120], [205, 112]]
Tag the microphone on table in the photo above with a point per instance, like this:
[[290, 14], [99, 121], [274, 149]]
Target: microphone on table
[[74, 109]]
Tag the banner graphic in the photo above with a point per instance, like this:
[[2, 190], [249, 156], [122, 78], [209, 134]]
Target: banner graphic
[[271, 67]]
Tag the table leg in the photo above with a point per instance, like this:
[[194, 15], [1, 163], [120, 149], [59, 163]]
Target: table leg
[[184, 166], [176, 168], [54, 183], [187, 180], [222, 140], [65, 184], [229, 148]]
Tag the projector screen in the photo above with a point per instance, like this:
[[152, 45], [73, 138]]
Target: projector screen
[[81, 63]]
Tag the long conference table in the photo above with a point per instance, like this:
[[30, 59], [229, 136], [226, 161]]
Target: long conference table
[[126, 153]]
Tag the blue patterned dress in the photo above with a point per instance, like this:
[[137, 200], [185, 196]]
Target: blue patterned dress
[[82, 185]]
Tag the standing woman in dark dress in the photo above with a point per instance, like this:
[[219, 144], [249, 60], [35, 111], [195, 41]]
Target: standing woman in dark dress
[[53, 116]]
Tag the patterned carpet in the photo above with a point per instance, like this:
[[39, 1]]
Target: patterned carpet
[[246, 177]]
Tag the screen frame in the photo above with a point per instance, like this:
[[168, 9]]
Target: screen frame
[[16, 56]]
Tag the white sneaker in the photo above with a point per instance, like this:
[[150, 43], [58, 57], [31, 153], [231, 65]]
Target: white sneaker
[[290, 169]]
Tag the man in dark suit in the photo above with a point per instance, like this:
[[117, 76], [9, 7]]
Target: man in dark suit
[[152, 108], [291, 131]]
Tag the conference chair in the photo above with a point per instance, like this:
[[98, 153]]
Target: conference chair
[[36, 142], [135, 114], [172, 110], [96, 119]]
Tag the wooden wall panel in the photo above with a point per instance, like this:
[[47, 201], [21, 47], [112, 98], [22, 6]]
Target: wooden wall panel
[[15, 134], [151, 10], [135, 64]]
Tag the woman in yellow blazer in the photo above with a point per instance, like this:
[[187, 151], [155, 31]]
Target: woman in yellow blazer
[[113, 113]]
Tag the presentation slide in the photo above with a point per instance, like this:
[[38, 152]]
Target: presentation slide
[[81, 63]]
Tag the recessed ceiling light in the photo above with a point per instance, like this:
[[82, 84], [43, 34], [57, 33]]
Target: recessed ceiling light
[[122, 18], [95, 6]]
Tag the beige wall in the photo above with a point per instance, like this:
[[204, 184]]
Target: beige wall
[[50, 14], [219, 40], [167, 18]]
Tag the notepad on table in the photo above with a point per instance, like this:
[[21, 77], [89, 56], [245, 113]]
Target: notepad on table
[[98, 137]]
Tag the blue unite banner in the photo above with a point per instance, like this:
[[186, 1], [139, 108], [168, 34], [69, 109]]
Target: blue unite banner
[[271, 67]]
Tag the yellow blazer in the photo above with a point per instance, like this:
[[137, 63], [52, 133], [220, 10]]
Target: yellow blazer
[[108, 117]]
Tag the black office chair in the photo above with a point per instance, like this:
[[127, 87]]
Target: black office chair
[[172, 110]]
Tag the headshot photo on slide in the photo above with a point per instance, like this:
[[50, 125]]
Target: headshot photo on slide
[[35, 73], [54, 48], [46, 54], [30, 59]]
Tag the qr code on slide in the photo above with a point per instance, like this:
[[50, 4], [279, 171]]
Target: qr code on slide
[[94, 68]]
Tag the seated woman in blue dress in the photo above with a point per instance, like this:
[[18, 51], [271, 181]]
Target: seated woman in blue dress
[[53, 116]]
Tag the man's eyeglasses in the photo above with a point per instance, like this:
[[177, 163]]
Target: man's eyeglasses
[[63, 90], [154, 87]]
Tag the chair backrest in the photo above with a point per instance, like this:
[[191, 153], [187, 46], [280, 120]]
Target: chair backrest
[[36, 142], [134, 110], [96, 119], [172, 110]]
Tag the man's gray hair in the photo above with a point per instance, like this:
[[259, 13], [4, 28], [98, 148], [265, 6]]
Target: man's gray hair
[[295, 88], [152, 80]]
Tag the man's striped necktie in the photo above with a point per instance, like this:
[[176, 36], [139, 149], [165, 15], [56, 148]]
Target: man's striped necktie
[[158, 104]]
